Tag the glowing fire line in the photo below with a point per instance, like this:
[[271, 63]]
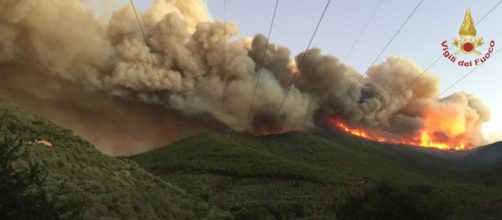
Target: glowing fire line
[[425, 139]]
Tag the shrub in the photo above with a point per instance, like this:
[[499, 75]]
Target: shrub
[[20, 181], [391, 202]]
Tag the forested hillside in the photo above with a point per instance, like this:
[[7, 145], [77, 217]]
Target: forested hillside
[[301, 175], [72, 180]]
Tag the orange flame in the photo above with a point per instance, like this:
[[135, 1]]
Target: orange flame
[[423, 138]]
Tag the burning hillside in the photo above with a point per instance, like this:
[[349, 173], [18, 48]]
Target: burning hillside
[[423, 138], [190, 65]]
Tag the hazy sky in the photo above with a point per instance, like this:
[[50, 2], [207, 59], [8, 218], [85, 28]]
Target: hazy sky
[[420, 40]]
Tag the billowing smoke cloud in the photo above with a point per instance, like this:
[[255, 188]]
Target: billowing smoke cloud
[[192, 68]]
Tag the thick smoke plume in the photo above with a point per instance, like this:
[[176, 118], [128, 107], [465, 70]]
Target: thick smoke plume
[[59, 52]]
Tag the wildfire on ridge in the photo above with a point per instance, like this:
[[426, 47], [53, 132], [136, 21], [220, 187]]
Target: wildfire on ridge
[[423, 138]]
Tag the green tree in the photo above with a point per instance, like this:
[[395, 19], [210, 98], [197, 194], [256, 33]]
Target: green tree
[[392, 202], [22, 196]]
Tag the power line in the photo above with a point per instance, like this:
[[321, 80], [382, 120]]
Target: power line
[[224, 78], [466, 75], [387, 44], [139, 23], [258, 74], [302, 58], [145, 40], [397, 32], [151, 56], [224, 71], [362, 30], [451, 86], [142, 32], [439, 57], [489, 12], [224, 31], [463, 77]]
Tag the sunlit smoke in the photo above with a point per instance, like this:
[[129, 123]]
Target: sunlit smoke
[[190, 65]]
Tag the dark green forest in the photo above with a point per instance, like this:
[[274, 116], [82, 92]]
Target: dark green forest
[[295, 175], [320, 176], [72, 180]]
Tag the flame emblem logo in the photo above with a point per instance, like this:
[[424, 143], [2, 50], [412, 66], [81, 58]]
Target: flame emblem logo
[[467, 43]]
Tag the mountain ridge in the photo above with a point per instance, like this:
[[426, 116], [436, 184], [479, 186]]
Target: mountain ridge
[[295, 175], [340, 167], [73, 180]]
